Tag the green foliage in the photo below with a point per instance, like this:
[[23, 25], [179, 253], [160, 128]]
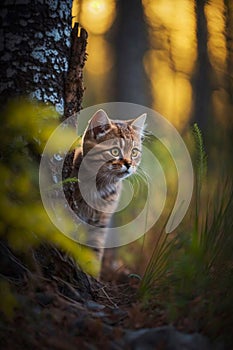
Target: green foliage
[[201, 157], [200, 168], [26, 126], [190, 273]]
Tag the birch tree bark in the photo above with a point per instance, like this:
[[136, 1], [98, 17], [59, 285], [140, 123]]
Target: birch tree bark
[[34, 49]]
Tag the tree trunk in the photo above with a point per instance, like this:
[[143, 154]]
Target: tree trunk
[[42, 57], [203, 76], [35, 48], [131, 42]]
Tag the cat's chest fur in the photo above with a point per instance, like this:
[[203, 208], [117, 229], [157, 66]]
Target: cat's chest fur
[[104, 197]]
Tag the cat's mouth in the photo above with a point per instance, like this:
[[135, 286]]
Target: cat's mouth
[[126, 172], [123, 171]]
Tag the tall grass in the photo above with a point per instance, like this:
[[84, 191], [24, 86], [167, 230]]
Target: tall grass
[[200, 165], [191, 272]]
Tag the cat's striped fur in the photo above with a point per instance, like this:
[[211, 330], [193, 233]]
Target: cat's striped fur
[[110, 152]]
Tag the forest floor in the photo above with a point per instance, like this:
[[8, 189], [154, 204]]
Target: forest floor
[[51, 304], [52, 313]]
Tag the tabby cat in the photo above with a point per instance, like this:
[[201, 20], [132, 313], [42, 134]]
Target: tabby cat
[[110, 152]]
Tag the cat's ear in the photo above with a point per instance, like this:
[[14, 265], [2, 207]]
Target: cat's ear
[[139, 122], [99, 124]]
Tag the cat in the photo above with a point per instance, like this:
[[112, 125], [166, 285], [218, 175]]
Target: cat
[[110, 151]]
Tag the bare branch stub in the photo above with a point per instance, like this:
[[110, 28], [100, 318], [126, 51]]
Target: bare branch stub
[[74, 88], [73, 92]]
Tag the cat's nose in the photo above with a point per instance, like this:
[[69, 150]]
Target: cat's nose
[[127, 164]]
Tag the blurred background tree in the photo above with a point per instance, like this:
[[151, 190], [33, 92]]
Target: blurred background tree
[[130, 40], [172, 55]]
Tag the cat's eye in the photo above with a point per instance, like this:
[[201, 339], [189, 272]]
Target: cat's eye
[[115, 152], [135, 152]]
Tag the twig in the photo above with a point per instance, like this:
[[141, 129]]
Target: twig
[[110, 299]]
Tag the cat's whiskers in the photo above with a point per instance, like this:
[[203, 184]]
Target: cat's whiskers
[[143, 174]]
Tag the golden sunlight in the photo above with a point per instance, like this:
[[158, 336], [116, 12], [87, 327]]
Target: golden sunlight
[[95, 15], [75, 12], [172, 91], [214, 11], [221, 106], [100, 56], [217, 49], [155, 10], [169, 65]]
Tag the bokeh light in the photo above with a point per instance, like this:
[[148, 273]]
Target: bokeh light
[[217, 51], [170, 62], [96, 16], [100, 58]]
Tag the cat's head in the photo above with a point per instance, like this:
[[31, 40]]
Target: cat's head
[[115, 144]]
